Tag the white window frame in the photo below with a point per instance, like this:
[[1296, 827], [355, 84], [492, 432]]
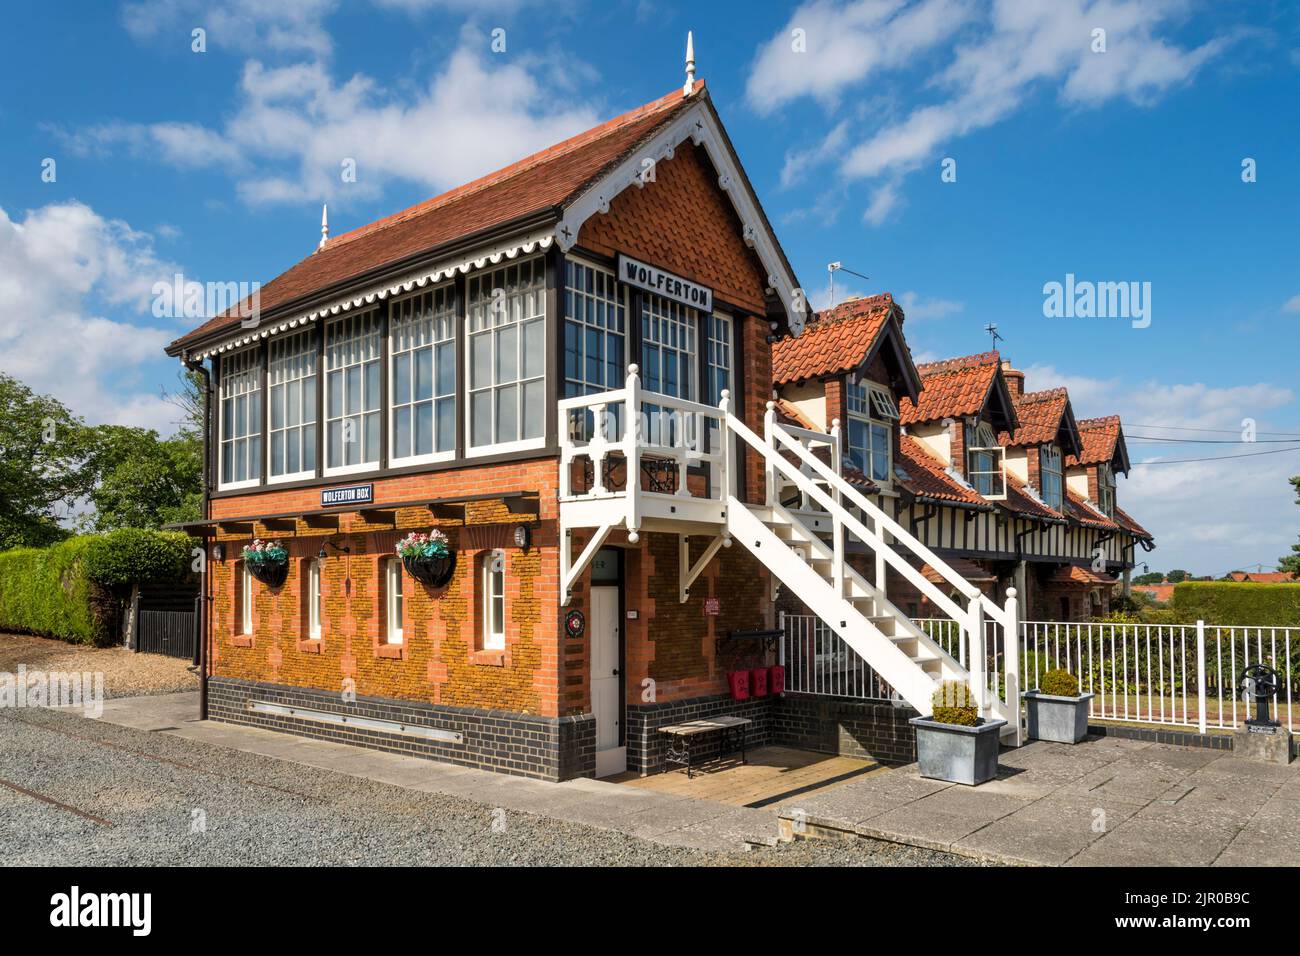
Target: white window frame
[[494, 573], [393, 602], [246, 599], [861, 407], [357, 319], [313, 599], [281, 344], [668, 326], [245, 363], [981, 440], [720, 367], [1106, 489], [609, 293], [523, 310], [442, 318], [1053, 453]]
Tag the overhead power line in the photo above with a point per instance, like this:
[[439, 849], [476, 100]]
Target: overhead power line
[[1212, 441], [1223, 431], [1184, 461]]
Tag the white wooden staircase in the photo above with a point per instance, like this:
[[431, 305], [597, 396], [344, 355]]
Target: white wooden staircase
[[806, 548]]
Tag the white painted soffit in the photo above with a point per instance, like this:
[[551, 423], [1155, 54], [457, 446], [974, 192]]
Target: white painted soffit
[[699, 125], [429, 275]]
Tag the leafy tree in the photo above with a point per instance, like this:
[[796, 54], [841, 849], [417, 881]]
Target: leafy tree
[[1151, 577], [1291, 562], [1177, 576], [143, 481], [43, 465]]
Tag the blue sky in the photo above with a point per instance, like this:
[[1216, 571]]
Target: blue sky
[[1115, 165]]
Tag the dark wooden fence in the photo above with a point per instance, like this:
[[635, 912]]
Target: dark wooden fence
[[167, 632]]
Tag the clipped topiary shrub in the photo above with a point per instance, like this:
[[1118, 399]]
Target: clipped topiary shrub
[[953, 703], [1059, 683], [133, 555]]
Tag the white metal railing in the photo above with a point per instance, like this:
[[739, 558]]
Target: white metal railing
[[1171, 674], [817, 661]]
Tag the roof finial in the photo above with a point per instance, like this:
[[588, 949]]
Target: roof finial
[[324, 226], [689, 86]]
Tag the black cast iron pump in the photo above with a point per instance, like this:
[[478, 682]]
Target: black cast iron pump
[[1262, 682]]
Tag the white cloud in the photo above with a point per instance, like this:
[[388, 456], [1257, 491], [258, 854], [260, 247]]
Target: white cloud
[[1207, 516], [290, 26], [916, 308], [69, 262], [296, 125], [1292, 304], [995, 60], [845, 44]]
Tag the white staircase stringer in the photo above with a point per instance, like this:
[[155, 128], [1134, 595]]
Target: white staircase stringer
[[912, 683]]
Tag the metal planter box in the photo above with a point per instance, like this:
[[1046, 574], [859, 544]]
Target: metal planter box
[[957, 754], [1062, 720]]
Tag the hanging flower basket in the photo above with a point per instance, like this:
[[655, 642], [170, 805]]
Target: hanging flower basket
[[427, 558], [268, 561]]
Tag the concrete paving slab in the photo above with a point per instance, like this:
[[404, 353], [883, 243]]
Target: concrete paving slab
[[1142, 841], [1047, 832]]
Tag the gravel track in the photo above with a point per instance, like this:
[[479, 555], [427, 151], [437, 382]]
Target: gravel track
[[260, 811]]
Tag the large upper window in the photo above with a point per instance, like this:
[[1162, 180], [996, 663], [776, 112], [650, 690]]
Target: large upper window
[[595, 322], [241, 418], [1106, 489], [871, 414], [507, 356], [985, 461], [291, 388], [1052, 484], [668, 352], [423, 381], [352, 354]]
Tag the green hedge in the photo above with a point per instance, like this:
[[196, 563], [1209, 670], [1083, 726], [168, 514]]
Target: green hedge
[[72, 590], [1234, 602], [47, 591]]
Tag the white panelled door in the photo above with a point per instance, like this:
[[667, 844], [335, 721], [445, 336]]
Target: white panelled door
[[606, 702]]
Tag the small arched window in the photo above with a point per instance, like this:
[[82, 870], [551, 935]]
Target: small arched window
[[494, 601]]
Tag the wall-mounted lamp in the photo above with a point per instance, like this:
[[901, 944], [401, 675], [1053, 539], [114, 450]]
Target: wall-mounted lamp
[[523, 536], [341, 548]]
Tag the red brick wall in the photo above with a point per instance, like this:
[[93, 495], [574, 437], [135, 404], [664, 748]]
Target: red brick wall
[[957, 446], [440, 660]]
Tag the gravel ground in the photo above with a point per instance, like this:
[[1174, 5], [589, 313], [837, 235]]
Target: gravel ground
[[126, 674], [147, 792]]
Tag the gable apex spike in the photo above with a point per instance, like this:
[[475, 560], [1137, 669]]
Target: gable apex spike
[[324, 226], [689, 86]]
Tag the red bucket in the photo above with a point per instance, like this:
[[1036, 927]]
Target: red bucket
[[738, 681], [776, 679], [758, 681]]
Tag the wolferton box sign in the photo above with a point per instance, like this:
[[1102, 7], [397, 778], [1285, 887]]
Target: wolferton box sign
[[665, 283], [350, 495]]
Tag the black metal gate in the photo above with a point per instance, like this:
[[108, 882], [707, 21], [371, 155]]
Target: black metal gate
[[167, 632]]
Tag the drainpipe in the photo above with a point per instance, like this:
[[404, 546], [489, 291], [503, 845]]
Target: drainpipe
[[207, 512]]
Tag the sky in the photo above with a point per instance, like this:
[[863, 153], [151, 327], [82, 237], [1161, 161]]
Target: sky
[[962, 154]]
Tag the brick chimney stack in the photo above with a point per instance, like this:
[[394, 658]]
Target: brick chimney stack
[[1015, 380]]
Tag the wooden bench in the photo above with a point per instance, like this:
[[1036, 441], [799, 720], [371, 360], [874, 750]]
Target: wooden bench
[[732, 729]]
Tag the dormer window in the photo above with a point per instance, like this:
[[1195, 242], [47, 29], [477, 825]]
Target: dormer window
[[871, 416], [986, 466], [1051, 482], [1106, 490]]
